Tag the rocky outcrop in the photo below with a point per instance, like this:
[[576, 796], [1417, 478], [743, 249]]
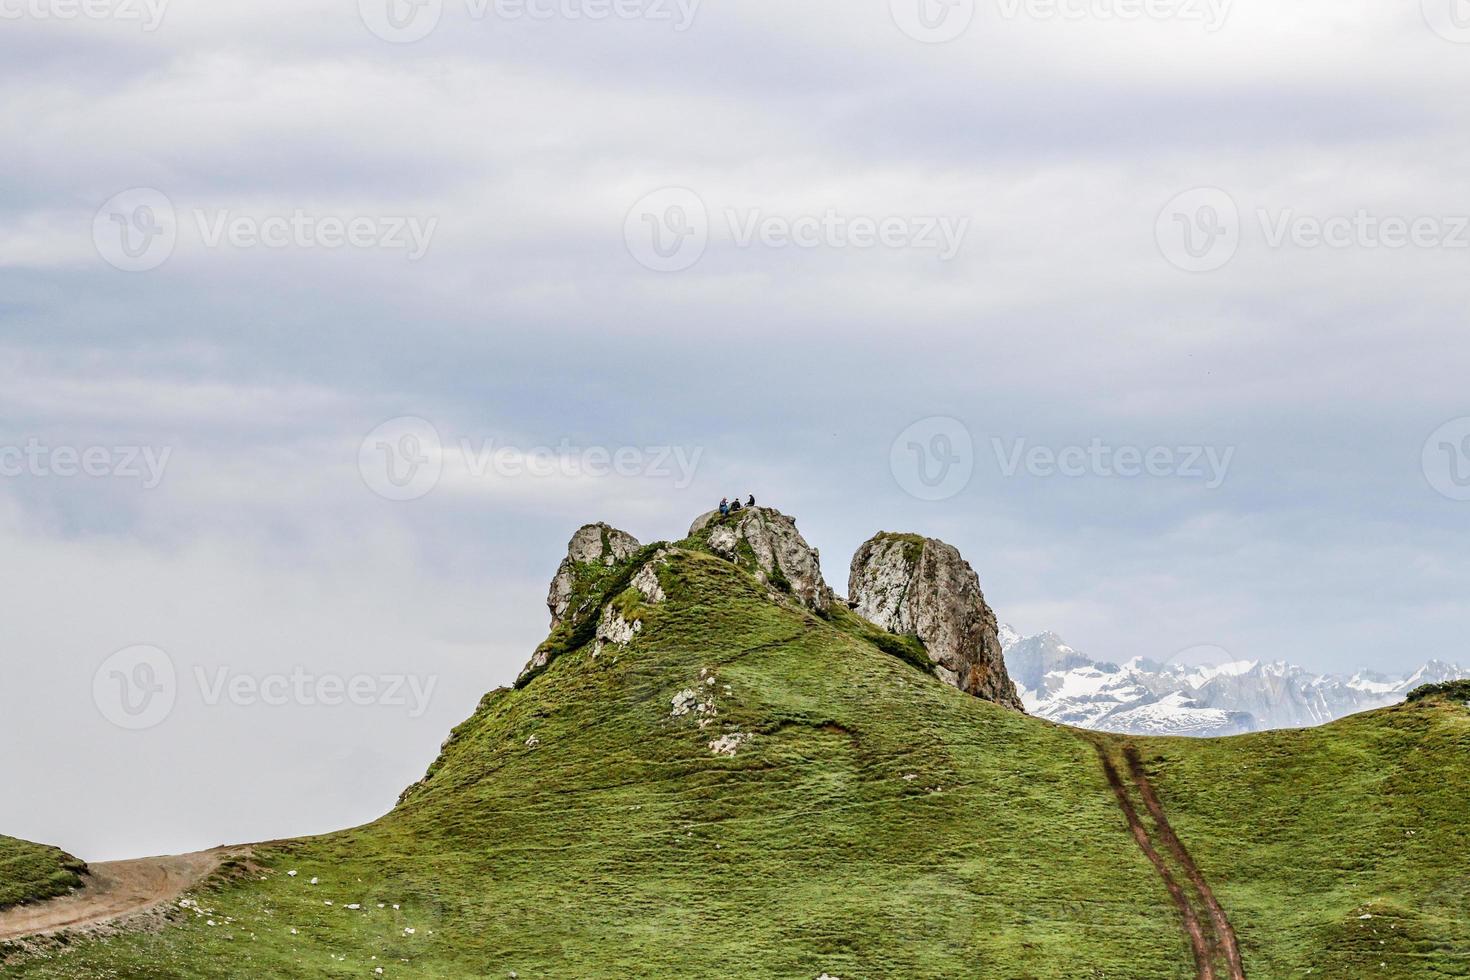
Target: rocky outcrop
[[911, 585], [613, 628], [600, 600], [646, 579], [595, 545], [769, 542], [619, 621]]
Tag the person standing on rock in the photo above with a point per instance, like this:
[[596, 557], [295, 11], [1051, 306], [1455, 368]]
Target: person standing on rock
[[724, 506]]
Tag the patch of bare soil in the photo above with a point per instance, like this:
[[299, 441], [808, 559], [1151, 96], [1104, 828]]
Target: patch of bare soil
[[113, 891]]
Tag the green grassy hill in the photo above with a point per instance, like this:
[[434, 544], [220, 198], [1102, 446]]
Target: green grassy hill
[[1344, 848], [32, 872], [750, 790]]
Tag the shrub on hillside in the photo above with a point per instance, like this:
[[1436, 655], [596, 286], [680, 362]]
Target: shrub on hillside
[[1459, 690]]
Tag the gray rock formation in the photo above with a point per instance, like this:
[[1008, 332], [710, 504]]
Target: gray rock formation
[[612, 625], [646, 580], [778, 553], [593, 544], [907, 584], [538, 662], [613, 628]]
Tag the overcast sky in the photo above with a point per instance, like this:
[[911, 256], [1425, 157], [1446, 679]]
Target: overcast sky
[[1160, 319]]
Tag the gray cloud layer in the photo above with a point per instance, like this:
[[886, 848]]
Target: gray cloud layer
[[790, 370]]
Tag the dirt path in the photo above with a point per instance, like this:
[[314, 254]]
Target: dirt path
[[1203, 957], [114, 890], [1223, 931], [1211, 937]]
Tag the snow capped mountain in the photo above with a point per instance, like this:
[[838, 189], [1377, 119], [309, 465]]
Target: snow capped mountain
[[1029, 660], [1204, 693], [1177, 713]]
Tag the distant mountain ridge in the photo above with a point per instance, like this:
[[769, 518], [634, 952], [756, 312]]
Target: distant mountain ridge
[[1204, 694]]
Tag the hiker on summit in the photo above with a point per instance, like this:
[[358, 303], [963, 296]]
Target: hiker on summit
[[735, 505], [751, 501], [724, 506]]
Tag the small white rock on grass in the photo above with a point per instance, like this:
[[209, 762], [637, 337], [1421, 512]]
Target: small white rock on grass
[[683, 702], [728, 744]]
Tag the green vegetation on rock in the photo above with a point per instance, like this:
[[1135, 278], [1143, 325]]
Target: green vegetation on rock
[[593, 586], [907, 647], [33, 872], [913, 544]]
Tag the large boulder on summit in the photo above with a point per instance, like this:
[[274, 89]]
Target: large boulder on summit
[[593, 547], [911, 585], [768, 541]]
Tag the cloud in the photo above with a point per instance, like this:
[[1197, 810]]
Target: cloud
[[789, 369]]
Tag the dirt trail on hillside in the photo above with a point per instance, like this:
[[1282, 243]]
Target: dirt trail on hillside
[[1224, 933], [1203, 957], [1211, 938], [114, 890]]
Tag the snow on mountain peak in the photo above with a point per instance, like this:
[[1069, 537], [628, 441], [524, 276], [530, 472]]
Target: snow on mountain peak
[[1198, 674], [1223, 697]]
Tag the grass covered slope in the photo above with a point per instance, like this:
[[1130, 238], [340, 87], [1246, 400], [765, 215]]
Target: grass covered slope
[[33, 872], [876, 822], [747, 789], [617, 843], [1343, 849]]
